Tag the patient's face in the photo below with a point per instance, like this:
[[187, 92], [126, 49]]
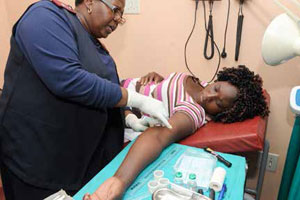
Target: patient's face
[[217, 97]]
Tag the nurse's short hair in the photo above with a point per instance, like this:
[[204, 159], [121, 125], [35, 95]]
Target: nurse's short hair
[[77, 2]]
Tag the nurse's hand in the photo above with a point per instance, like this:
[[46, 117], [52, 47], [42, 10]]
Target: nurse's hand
[[111, 189], [151, 106], [151, 77], [135, 123], [149, 121]]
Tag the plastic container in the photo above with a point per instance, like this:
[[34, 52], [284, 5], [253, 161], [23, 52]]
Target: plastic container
[[191, 183], [153, 186], [178, 179], [158, 174], [163, 183]]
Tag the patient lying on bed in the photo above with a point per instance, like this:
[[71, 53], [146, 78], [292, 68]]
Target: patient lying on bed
[[199, 101], [236, 95]]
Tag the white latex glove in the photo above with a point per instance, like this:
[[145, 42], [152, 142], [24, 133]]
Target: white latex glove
[[148, 121], [148, 105], [135, 123]]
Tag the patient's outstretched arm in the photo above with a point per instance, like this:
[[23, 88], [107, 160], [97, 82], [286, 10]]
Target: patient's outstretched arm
[[146, 149]]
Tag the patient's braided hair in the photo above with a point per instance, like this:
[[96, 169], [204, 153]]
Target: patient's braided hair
[[250, 101]]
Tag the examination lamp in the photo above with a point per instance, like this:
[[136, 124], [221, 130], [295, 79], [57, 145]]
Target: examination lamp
[[281, 40]]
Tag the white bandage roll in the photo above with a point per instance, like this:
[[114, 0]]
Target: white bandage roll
[[158, 174], [153, 186], [217, 179]]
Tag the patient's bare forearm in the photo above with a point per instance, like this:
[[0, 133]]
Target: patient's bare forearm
[[150, 144], [146, 149]]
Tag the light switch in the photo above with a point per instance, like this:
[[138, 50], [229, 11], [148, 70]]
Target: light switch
[[132, 7]]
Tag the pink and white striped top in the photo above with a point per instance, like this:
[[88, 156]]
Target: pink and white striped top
[[174, 96]]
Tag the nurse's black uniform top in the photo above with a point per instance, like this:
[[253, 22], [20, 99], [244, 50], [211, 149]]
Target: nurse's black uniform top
[[58, 127]]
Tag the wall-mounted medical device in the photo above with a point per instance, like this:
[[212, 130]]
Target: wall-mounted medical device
[[295, 100]]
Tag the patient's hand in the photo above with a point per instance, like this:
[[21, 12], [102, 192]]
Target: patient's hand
[[151, 77], [111, 189]]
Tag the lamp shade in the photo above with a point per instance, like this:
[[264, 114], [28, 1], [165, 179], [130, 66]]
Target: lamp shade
[[281, 40]]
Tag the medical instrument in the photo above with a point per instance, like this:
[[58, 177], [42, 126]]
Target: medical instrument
[[158, 174], [209, 33], [188, 39], [224, 54], [146, 176], [239, 30], [222, 193], [217, 179], [220, 158], [219, 54], [212, 194]]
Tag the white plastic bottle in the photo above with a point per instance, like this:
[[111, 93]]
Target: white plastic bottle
[[191, 183]]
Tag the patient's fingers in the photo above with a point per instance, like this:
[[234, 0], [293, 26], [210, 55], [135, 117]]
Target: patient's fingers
[[86, 197], [144, 80], [151, 77], [157, 78]]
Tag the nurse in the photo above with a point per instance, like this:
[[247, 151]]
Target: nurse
[[60, 113]]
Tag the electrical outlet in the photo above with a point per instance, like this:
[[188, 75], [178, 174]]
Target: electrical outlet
[[132, 7], [272, 162]]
